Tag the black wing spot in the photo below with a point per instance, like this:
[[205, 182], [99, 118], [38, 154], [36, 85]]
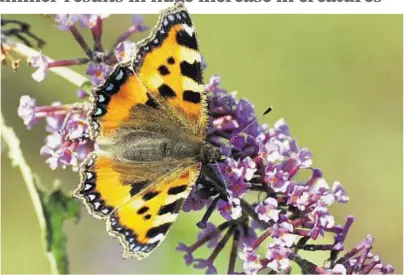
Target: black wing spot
[[177, 189], [151, 102], [192, 71], [166, 91], [172, 208], [150, 195], [192, 96], [162, 229], [171, 60], [184, 39], [143, 210], [163, 70], [137, 187], [147, 217]]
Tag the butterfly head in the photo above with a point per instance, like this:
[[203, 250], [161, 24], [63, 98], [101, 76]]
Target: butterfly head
[[210, 154]]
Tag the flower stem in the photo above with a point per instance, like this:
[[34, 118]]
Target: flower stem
[[66, 73], [80, 39], [233, 253]]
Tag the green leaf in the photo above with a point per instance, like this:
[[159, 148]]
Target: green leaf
[[57, 208]]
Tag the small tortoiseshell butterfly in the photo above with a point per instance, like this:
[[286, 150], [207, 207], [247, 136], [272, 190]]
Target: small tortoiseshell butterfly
[[150, 118]]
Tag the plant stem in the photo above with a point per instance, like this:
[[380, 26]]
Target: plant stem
[[23, 50], [17, 160]]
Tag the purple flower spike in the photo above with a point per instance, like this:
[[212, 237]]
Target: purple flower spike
[[26, 110]]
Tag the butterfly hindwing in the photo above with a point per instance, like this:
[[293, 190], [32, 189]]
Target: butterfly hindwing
[[108, 182], [101, 188], [142, 223], [168, 63]]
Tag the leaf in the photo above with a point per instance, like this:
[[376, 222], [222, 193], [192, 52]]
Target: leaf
[[57, 208]]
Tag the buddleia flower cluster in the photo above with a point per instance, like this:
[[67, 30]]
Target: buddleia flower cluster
[[269, 211]]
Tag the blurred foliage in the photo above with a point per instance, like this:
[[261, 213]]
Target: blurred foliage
[[58, 207], [336, 79]]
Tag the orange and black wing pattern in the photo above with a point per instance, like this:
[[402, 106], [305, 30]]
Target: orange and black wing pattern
[[158, 96], [142, 223], [168, 63]]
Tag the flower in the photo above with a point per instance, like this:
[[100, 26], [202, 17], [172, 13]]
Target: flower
[[339, 193], [339, 269], [267, 210], [61, 157], [138, 23], [281, 233], [188, 253], [322, 220], [26, 110], [124, 51], [76, 127], [65, 21], [88, 20], [98, 72], [278, 257], [210, 227], [41, 62], [193, 202], [81, 93], [208, 264], [251, 261]]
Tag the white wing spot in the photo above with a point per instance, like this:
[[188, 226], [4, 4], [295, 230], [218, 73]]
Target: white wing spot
[[188, 29]]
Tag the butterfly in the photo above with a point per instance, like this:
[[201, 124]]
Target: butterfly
[[150, 119]]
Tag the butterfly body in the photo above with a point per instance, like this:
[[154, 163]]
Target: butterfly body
[[150, 118]]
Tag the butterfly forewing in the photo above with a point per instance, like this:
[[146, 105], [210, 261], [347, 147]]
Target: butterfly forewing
[[169, 65]]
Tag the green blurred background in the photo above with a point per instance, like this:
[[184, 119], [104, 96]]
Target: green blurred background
[[336, 79]]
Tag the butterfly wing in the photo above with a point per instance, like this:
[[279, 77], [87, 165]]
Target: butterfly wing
[[168, 63], [108, 182], [142, 223], [158, 96]]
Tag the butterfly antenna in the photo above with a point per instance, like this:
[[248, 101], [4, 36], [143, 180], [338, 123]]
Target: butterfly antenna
[[223, 180], [252, 122]]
